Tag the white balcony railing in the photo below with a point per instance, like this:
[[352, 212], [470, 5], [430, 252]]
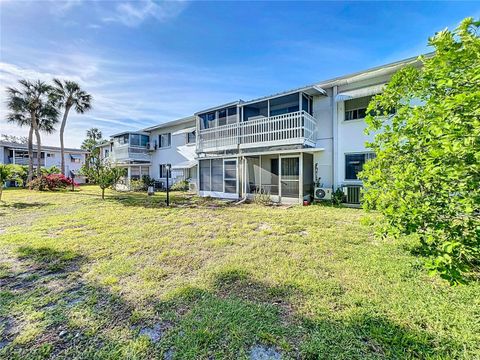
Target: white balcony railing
[[21, 160], [122, 153], [296, 128]]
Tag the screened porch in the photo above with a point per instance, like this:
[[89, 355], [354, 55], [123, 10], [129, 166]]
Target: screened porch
[[284, 177]]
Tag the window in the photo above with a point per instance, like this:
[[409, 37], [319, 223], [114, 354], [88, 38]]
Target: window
[[356, 108], [50, 155], [208, 120], [191, 137], [230, 176], [123, 139], [163, 171], [222, 117], [75, 158], [231, 115], [138, 140], [354, 164], [107, 152], [218, 175], [164, 140]]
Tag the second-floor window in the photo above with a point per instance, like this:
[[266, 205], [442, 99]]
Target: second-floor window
[[123, 139], [356, 108], [191, 137], [164, 140], [138, 140]]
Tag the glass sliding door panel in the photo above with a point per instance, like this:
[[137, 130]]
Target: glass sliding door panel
[[204, 175], [217, 175]]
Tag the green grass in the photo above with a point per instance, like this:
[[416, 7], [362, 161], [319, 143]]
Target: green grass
[[82, 278]]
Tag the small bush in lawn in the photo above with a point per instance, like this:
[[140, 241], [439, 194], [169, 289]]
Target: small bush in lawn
[[180, 186], [137, 185], [262, 198], [338, 197], [51, 182]]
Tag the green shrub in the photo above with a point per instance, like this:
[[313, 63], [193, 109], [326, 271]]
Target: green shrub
[[137, 185], [262, 198], [338, 197], [180, 186]]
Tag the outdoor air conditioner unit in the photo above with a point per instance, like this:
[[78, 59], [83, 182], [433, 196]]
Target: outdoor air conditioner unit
[[192, 187], [322, 193]]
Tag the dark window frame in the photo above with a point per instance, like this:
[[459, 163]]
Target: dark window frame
[[351, 174], [160, 142]]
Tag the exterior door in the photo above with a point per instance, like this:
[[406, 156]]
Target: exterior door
[[290, 177]]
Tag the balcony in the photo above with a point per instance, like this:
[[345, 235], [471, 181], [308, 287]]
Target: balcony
[[22, 160], [295, 128], [125, 153]]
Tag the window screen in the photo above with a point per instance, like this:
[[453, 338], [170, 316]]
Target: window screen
[[230, 176], [204, 175], [217, 175]]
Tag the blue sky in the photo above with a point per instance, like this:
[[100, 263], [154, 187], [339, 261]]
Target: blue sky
[[147, 62]]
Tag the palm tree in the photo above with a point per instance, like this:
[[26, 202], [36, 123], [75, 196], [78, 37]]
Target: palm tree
[[94, 134], [32, 105], [68, 94]]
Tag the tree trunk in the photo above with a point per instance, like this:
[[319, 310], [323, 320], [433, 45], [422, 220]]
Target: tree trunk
[[62, 130], [39, 153], [1, 191], [30, 154], [103, 194]]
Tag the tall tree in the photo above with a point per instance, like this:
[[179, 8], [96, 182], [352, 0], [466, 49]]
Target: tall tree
[[32, 104], [94, 137], [68, 94], [425, 178]]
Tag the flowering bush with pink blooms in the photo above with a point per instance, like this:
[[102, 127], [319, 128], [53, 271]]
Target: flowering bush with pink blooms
[[51, 182]]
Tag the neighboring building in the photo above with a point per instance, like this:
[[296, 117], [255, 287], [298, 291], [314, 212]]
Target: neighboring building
[[149, 151], [14, 153], [289, 145]]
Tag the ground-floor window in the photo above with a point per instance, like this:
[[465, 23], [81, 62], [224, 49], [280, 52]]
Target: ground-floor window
[[218, 175], [163, 171], [354, 164]]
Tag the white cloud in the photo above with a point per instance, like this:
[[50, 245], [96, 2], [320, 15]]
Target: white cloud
[[134, 13]]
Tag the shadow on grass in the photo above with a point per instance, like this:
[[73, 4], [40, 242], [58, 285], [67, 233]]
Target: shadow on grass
[[177, 199], [240, 313], [69, 317], [24, 205]]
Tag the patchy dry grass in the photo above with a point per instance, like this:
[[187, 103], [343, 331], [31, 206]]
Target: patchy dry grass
[[129, 278]]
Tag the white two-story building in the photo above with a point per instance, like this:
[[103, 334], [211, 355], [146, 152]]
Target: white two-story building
[[149, 151], [15, 153], [291, 145]]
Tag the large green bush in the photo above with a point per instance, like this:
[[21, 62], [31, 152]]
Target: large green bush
[[425, 178]]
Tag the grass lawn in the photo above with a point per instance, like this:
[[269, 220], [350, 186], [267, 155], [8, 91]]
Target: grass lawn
[[128, 278]]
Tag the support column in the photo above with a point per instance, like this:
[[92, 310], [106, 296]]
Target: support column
[[335, 139], [300, 178], [260, 175], [13, 158], [129, 175], [279, 178]]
